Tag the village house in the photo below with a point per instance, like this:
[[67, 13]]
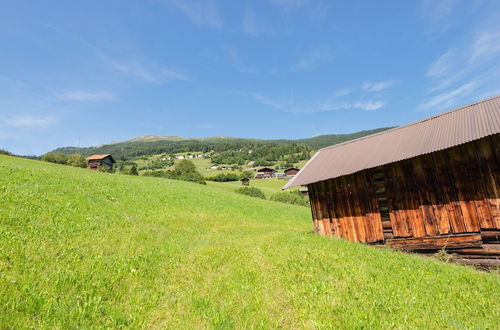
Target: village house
[[94, 162], [265, 173], [290, 172], [423, 186]]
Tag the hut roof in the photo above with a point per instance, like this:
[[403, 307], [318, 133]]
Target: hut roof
[[432, 134], [99, 157], [266, 169]]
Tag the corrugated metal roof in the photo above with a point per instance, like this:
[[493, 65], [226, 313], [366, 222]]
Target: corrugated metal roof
[[436, 133], [97, 157]]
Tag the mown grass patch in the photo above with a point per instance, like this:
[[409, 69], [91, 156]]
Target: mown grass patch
[[86, 249]]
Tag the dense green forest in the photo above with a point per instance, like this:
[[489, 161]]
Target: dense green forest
[[228, 147]]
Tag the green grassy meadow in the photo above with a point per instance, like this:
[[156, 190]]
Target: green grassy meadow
[[80, 249], [268, 186]]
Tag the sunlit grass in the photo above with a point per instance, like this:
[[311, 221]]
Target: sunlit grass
[[80, 249]]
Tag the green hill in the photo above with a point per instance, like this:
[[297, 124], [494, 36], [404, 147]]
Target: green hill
[[80, 249], [154, 144]]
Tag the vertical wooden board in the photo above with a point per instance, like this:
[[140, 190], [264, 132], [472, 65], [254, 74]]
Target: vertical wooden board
[[447, 191], [465, 197], [491, 165], [346, 197], [325, 209], [312, 201], [358, 214], [364, 186], [334, 207], [495, 145], [339, 208], [487, 165], [425, 195], [403, 213], [476, 183], [397, 218], [412, 199], [331, 207], [368, 177], [434, 195], [363, 201]]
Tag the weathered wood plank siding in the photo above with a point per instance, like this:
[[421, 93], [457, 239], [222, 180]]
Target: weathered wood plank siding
[[425, 199]]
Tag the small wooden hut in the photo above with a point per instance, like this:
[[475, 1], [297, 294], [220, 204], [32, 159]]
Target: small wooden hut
[[245, 181], [424, 186], [292, 171], [266, 171], [96, 161]]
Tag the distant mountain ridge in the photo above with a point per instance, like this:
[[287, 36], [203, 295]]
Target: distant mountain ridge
[[156, 144]]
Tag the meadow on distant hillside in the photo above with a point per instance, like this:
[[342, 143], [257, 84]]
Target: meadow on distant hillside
[[81, 249]]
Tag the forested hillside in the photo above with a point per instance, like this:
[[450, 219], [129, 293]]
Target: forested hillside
[[150, 145]]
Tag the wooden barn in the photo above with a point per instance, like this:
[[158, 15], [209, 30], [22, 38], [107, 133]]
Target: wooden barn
[[266, 171], [291, 171], [424, 186], [96, 161]]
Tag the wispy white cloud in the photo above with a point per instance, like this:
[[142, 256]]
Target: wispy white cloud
[[312, 59], [152, 73], [377, 86], [448, 98], [437, 10], [26, 121], [334, 102], [200, 12], [466, 72], [342, 92], [486, 46], [79, 95]]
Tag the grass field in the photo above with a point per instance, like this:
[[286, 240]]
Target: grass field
[[268, 186], [80, 249]]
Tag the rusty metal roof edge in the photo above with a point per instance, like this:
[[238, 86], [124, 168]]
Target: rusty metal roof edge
[[297, 182], [100, 156], [291, 185], [410, 124]]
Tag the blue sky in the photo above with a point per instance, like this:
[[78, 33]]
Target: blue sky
[[81, 73]]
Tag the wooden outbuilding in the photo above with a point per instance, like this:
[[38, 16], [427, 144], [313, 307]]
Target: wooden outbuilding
[[245, 181], [96, 161], [424, 186], [291, 171], [266, 171]]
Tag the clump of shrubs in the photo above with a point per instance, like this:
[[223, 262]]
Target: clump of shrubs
[[292, 197], [224, 177], [228, 177], [251, 191], [76, 160], [129, 170], [185, 170]]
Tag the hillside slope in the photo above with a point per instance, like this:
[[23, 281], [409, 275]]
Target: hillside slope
[[84, 249], [153, 144]]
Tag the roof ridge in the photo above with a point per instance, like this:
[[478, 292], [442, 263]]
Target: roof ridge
[[412, 123]]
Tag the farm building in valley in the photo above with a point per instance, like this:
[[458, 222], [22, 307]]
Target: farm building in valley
[[424, 186], [265, 172], [96, 161], [291, 171]]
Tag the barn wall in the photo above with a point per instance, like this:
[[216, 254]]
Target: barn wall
[[454, 192]]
